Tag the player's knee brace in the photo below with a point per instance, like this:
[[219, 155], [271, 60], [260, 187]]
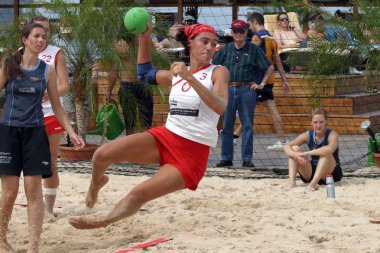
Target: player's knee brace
[[49, 191]]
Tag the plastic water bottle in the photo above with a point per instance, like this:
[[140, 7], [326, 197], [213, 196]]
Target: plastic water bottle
[[330, 186]]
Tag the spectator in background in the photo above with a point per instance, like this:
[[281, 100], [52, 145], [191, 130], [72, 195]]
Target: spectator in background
[[53, 57], [244, 61], [316, 29], [77, 57], [170, 41], [22, 23], [256, 23], [65, 40], [135, 98], [269, 46], [336, 33], [287, 36], [323, 150]]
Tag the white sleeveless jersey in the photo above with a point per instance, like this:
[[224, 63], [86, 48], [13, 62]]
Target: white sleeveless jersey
[[49, 56], [189, 116]]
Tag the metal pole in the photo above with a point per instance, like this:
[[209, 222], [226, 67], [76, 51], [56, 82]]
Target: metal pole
[[180, 12], [16, 10], [355, 10], [305, 22], [234, 10]]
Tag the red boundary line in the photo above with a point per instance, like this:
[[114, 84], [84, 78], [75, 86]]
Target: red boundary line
[[145, 245], [26, 205]]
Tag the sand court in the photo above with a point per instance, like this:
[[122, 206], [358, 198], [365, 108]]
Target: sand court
[[223, 215]]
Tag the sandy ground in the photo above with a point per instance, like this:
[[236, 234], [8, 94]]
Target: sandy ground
[[223, 215]]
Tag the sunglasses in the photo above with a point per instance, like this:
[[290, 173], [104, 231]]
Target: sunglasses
[[238, 31], [284, 19]]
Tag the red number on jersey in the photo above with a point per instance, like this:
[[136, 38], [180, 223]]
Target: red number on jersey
[[186, 87], [46, 58], [203, 77]]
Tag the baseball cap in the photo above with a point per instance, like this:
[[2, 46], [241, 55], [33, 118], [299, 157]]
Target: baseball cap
[[239, 24]]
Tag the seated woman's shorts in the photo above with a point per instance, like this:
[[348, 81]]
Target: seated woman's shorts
[[189, 157], [24, 149], [52, 125], [337, 174]]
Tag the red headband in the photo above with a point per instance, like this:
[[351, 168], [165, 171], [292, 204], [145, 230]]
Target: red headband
[[193, 30]]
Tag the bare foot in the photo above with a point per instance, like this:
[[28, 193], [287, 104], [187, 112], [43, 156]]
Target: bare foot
[[292, 185], [33, 248], [6, 247], [312, 187], [375, 220], [49, 217], [92, 194], [81, 222]]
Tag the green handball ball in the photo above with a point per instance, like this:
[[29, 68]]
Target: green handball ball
[[135, 20]]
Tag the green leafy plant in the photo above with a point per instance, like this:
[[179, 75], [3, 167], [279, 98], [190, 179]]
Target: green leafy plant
[[94, 26], [333, 58]]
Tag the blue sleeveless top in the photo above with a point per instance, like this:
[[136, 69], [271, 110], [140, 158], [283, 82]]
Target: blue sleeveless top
[[22, 106], [313, 145]]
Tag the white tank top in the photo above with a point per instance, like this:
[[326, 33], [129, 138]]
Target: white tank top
[[49, 56], [189, 116]]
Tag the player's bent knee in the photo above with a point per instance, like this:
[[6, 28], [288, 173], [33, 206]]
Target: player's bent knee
[[103, 156], [296, 148]]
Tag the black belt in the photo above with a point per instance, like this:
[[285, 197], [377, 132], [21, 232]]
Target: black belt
[[128, 83], [238, 84]]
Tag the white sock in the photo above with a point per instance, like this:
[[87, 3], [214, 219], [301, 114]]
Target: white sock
[[49, 195]]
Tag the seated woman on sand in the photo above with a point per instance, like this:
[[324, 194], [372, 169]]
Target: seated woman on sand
[[323, 150]]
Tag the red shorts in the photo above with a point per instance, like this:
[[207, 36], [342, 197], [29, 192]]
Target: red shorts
[[52, 125], [189, 157]]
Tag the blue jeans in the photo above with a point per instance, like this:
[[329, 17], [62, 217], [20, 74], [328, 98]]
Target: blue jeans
[[243, 100]]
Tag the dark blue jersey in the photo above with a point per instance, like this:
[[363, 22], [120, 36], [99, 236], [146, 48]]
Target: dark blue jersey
[[312, 144], [22, 106]]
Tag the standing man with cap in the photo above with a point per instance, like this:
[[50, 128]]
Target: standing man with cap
[[245, 61], [263, 39]]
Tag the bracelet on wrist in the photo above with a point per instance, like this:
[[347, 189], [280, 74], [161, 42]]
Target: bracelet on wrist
[[262, 84]]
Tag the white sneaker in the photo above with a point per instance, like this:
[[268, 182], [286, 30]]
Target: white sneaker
[[278, 145], [354, 71]]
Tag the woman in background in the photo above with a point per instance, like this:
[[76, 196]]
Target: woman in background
[[24, 143]]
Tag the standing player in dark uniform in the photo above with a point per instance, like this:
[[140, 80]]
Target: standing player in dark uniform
[[24, 143]]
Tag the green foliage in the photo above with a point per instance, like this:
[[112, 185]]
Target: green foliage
[[95, 28], [333, 58], [10, 39]]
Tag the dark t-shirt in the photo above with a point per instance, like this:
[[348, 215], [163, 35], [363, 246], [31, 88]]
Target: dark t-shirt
[[23, 100], [263, 33]]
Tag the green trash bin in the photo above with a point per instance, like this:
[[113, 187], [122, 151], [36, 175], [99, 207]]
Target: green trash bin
[[371, 148], [115, 123]]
